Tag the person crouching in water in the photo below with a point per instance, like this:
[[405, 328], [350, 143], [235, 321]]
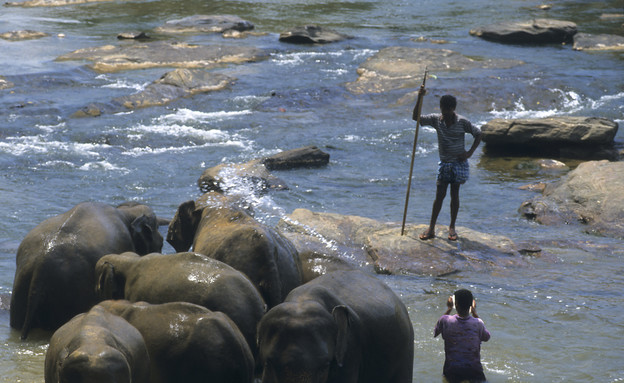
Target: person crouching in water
[[453, 167], [462, 336]]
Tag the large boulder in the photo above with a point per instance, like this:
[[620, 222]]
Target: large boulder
[[403, 67], [602, 42], [172, 85], [536, 31], [591, 195], [333, 241], [311, 34], [205, 24], [569, 137], [306, 157], [110, 58]]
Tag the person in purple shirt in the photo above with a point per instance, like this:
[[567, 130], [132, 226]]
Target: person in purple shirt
[[462, 336]]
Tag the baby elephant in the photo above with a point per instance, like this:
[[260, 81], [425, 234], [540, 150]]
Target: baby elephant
[[95, 347], [188, 343], [344, 326]]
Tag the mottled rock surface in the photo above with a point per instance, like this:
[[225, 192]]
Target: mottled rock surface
[[206, 24], [311, 34], [22, 35], [536, 31], [602, 42]]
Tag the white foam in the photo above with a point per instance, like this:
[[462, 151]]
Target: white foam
[[102, 165], [176, 130], [184, 115], [28, 145]]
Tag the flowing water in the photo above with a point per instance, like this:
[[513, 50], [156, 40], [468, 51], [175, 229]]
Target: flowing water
[[557, 319]]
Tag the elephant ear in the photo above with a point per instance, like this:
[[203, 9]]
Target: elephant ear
[[343, 317], [143, 235], [107, 286], [183, 226]]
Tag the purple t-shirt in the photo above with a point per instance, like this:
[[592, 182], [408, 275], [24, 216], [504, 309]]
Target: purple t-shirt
[[462, 343]]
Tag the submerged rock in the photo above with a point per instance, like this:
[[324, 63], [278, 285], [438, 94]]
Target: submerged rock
[[110, 58], [172, 85], [333, 241], [588, 42], [132, 35], [570, 137], [536, 31], [5, 84], [22, 35], [206, 24], [403, 67], [311, 34], [591, 195]]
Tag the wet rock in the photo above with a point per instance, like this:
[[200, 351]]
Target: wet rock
[[49, 3], [255, 174], [112, 58], [206, 24], [603, 42], [311, 34], [22, 35], [403, 67], [569, 137], [591, 195], [172, 85], [5, 84], [133, 35], [232, 179], [306, 157], [352, 241], [536, 31], [536, 187]]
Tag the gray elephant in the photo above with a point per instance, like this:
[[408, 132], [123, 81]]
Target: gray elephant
[[97, 347], [342, 327], [186, 277], [220, 230], [188, 343], [54, 278]]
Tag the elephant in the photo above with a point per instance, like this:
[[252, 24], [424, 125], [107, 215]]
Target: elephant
[[342, 327], [54, 278], [220, 230], [187, 277], [95, 347], [188, 343]]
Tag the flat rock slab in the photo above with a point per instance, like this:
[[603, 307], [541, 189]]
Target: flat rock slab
[[588, 42], [537, 31], [111, 58], [206, 24], [366, 243], [571, 137], [22, 35], [403, 67], [591, 195], [172, 85], [312, 34]]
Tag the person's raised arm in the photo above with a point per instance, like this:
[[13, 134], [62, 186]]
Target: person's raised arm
[[473, 309], [449, 305], [421, 93]]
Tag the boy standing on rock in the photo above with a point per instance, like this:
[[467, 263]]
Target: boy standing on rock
[[453, 166], [462, 336]]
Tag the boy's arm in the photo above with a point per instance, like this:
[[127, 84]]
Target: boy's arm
[[477, 140], [421, 93]]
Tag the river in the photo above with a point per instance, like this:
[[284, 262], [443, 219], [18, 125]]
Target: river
[[559, 319]]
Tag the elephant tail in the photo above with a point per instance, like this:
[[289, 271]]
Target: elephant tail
[[33, 301]]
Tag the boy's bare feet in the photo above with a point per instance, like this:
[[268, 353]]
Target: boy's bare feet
[[452, 235], [427, 235]]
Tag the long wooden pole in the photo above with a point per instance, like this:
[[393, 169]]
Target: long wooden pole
[[409, 182]]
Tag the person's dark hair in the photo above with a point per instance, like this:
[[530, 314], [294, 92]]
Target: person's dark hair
[[448, 102], [463, 300]]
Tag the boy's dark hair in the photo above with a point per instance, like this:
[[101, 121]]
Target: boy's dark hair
[[463, 300], [448, 102]]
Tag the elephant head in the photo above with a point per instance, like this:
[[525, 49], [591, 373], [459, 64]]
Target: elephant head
[[303, 342], [183, 226], [143, 227]]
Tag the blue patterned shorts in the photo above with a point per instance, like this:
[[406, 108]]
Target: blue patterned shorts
[[453, 172]]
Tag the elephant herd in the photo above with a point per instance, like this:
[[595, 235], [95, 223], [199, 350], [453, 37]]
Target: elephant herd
[[235, 309]]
